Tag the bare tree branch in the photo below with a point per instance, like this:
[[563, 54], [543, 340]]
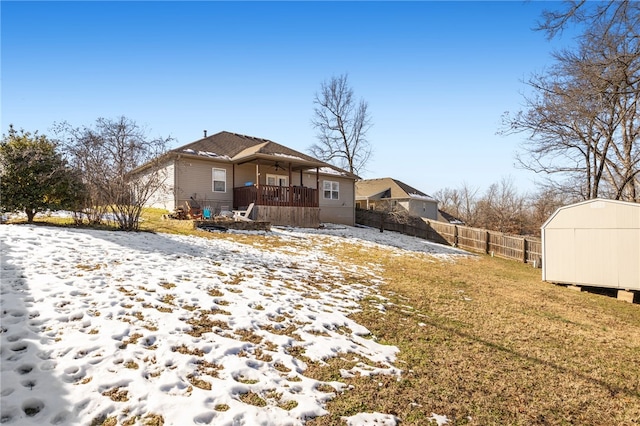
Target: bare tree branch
[[582, 121], [342, 124], [106, 154]]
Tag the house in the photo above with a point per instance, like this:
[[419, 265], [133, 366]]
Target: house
[[391, 194], [594, 243], [229, 171]]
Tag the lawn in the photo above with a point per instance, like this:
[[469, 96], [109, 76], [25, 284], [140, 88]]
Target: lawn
[[485, 342], [482, 341]]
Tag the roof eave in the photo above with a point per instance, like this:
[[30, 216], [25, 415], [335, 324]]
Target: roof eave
[[296, 162]]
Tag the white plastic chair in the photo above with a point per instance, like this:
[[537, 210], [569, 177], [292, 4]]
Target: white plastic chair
[[243, 214]]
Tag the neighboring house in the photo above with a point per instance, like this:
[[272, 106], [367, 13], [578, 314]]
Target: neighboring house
[[229, 171], [593, 243], [391, 194], [449, 218]]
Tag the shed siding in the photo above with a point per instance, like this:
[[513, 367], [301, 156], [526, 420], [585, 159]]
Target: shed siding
[[595, 243], [558, 256], [629, 258]]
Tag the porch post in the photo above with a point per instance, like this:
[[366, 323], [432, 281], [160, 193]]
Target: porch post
[[318, 186], [259, 193], [290, 187]]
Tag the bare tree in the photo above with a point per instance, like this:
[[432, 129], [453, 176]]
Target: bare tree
[[541, 206], [342, 124], [106, 155], [461, 202], [583, 120], [449, 201], [502, 208]]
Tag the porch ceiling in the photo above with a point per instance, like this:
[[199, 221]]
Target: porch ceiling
[[285, 161]]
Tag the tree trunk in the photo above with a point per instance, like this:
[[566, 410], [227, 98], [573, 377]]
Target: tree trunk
[[30, 214]]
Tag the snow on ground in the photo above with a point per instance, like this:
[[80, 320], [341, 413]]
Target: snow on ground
[[371, 236], [99, 325]]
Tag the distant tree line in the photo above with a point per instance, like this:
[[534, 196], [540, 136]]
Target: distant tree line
[[87, 170], [501, 207]]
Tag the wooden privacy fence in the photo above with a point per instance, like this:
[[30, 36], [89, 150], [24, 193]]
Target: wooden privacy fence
[[517, 247]]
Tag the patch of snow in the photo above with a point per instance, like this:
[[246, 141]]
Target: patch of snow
[[421, 197], [205, 154], [99, 324], [440, 420], [293, 157], [327, 171], [376, 419], [373, 237]]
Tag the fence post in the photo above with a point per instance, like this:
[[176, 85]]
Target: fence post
[[524, 250], [487, 242], [455, 235]]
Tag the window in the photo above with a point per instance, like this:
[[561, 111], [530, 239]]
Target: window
[[331, 190], [219, 180], [278, 180]]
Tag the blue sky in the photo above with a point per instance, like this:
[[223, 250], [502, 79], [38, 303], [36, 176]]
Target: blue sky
[[437, 75]]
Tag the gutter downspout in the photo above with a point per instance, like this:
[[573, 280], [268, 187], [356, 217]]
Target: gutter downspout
[[176, 167]]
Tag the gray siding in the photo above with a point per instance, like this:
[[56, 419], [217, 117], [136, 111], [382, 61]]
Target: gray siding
[[248, 174], [423, 208], [342, 210], [245, 174], [194, 179]]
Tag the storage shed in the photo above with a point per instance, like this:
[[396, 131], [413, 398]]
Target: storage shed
[[593, 243]]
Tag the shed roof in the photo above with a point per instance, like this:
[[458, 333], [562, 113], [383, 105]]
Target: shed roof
[[598, 213]]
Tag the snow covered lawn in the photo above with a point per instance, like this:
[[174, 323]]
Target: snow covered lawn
[[142, 328]]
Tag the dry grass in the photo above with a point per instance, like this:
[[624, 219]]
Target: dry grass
[[485, 342], [117, 395], [252, 399], [482, 341]]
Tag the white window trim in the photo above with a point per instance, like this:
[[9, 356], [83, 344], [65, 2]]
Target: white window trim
[[277, 178], [332, 190], [213, 179]]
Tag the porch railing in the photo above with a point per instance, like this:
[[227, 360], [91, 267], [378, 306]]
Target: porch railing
[[269, 195]]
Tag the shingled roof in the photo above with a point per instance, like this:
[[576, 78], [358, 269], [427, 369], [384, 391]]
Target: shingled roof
[[234, 145], [387, 188], [239, 149]]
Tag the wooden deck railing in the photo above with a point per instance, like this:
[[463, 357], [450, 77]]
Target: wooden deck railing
[[269, 195]]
